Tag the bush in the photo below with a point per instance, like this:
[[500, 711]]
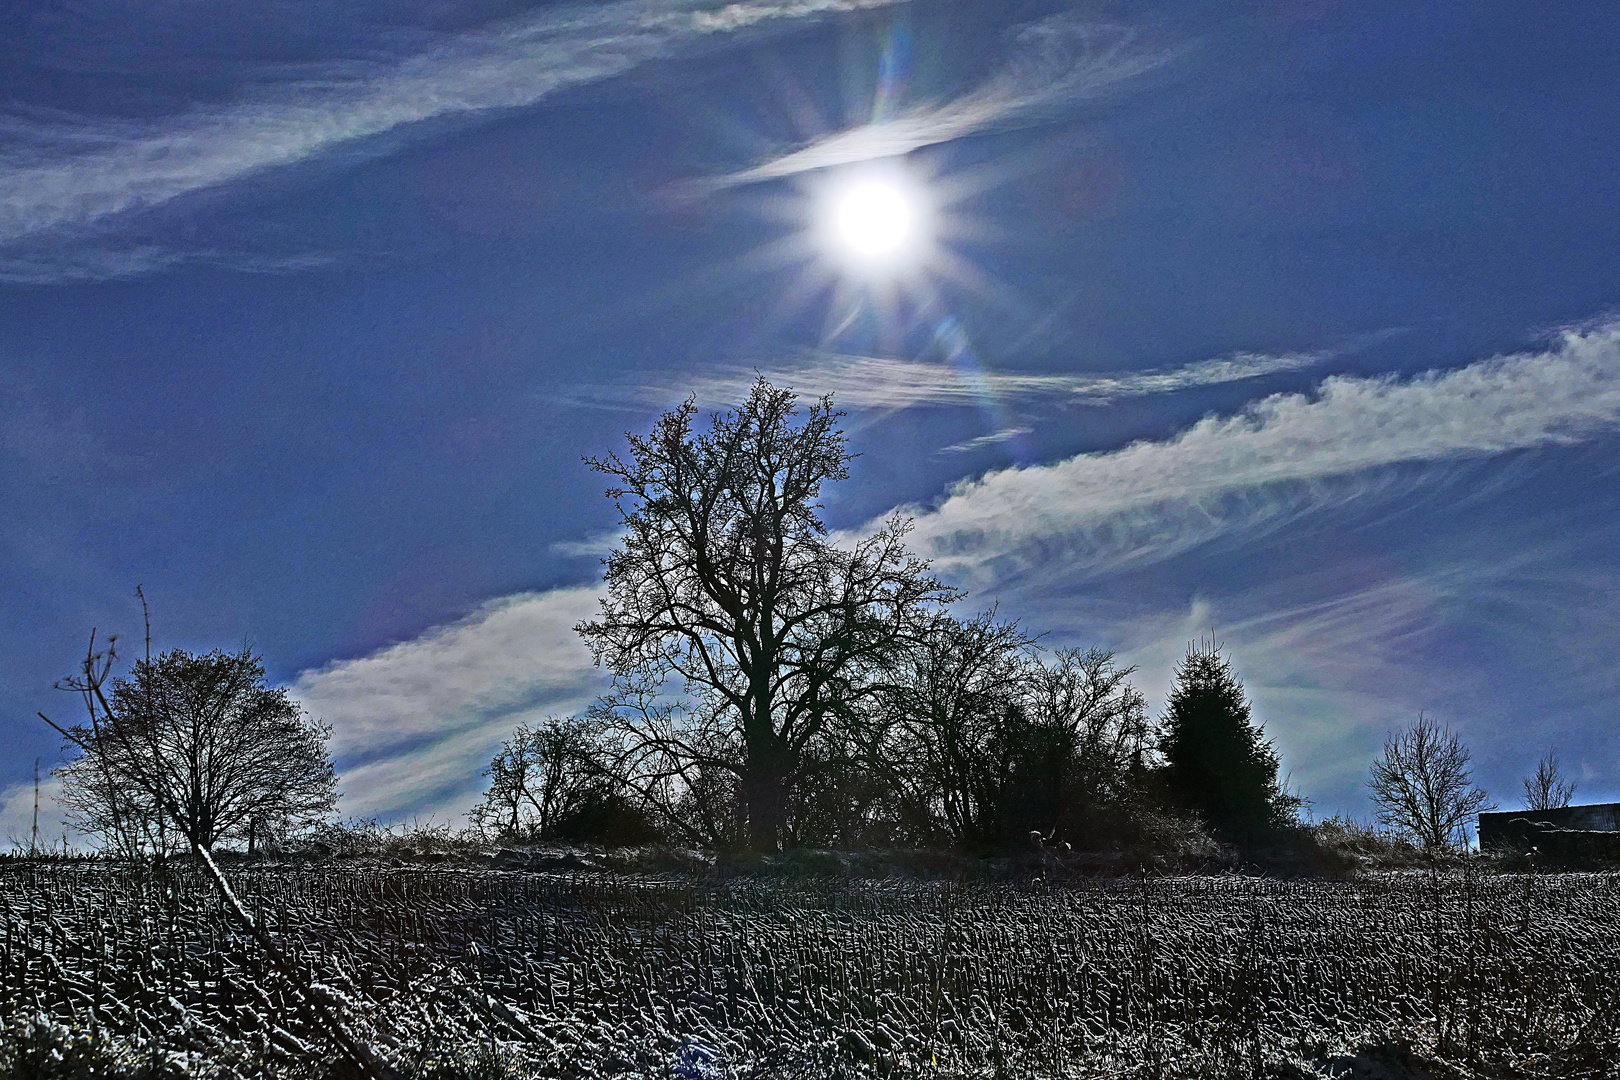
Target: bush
[[609, 819], [39, 1048], [1367, 846], [360, 837]]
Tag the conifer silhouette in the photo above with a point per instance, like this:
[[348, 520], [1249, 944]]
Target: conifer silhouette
[[1217, 761]]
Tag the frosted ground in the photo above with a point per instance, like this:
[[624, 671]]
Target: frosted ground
[[459, 971]]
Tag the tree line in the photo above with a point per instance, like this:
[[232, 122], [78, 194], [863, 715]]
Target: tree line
[[775, 686], [771, 686]]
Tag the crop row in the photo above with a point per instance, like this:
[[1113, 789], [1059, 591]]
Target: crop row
[[587, 975]]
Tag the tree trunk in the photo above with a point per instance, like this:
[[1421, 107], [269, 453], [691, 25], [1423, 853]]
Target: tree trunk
[[765, 795]]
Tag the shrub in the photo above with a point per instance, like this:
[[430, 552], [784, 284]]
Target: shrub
[[39, 1048]]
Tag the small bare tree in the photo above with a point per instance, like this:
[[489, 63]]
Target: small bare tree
[[979, 739], [102, 803], [1548, 789], [541, 776], [198, 742], [1422, 784], [1088, 697], [943, 719], [203, 744]]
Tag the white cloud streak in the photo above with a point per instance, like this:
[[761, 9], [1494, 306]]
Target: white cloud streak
[[440, 779], [417, 721], [993, 439], [501, 656], [594, 546], [39, 263], [1279, 458], [425, 715], [71, 174], [1052, 64], [877, 382]]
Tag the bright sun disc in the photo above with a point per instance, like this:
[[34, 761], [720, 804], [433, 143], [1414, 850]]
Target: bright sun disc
[[874, 220]]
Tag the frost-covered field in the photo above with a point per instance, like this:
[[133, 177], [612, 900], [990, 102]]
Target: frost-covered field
[[470, 972]]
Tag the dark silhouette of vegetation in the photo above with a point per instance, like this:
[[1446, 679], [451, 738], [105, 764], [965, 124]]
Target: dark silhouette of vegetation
[[772, 688], [1422, 784], [197, 743], [941, 737], [980, 740], [1218, 763], [551, 783], [727, 595]]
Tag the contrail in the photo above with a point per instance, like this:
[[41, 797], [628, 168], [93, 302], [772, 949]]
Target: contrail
[[72, 173]]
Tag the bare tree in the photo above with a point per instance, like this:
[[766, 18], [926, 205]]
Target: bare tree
[[683, 764], [202, 743], [726, 585], [983, 739], [1090, 703], [541, 777], [102, 803], [1422, 784], [945, 721], [1548, 789], [199, 742]]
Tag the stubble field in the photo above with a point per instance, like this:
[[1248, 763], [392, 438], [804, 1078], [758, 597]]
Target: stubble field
[[468, 972]]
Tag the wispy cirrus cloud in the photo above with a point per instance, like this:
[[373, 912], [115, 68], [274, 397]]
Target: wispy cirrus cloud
[[995, 438], [424, 715], [1052, 64], [419, 720], [878, 382], [57, 264], [1283, 456], [1328, 676], [1334, 661], [60, 175]]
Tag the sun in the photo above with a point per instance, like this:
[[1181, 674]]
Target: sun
[[874, 224], [873, 220], [875, 248]]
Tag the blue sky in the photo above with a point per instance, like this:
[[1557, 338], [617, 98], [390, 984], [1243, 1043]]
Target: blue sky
[[1294, 321]]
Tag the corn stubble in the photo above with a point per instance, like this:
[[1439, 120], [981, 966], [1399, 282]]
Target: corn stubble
[[472, 973]]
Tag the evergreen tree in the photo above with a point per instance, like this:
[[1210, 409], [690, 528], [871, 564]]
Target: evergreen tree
[[1217, 761]]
